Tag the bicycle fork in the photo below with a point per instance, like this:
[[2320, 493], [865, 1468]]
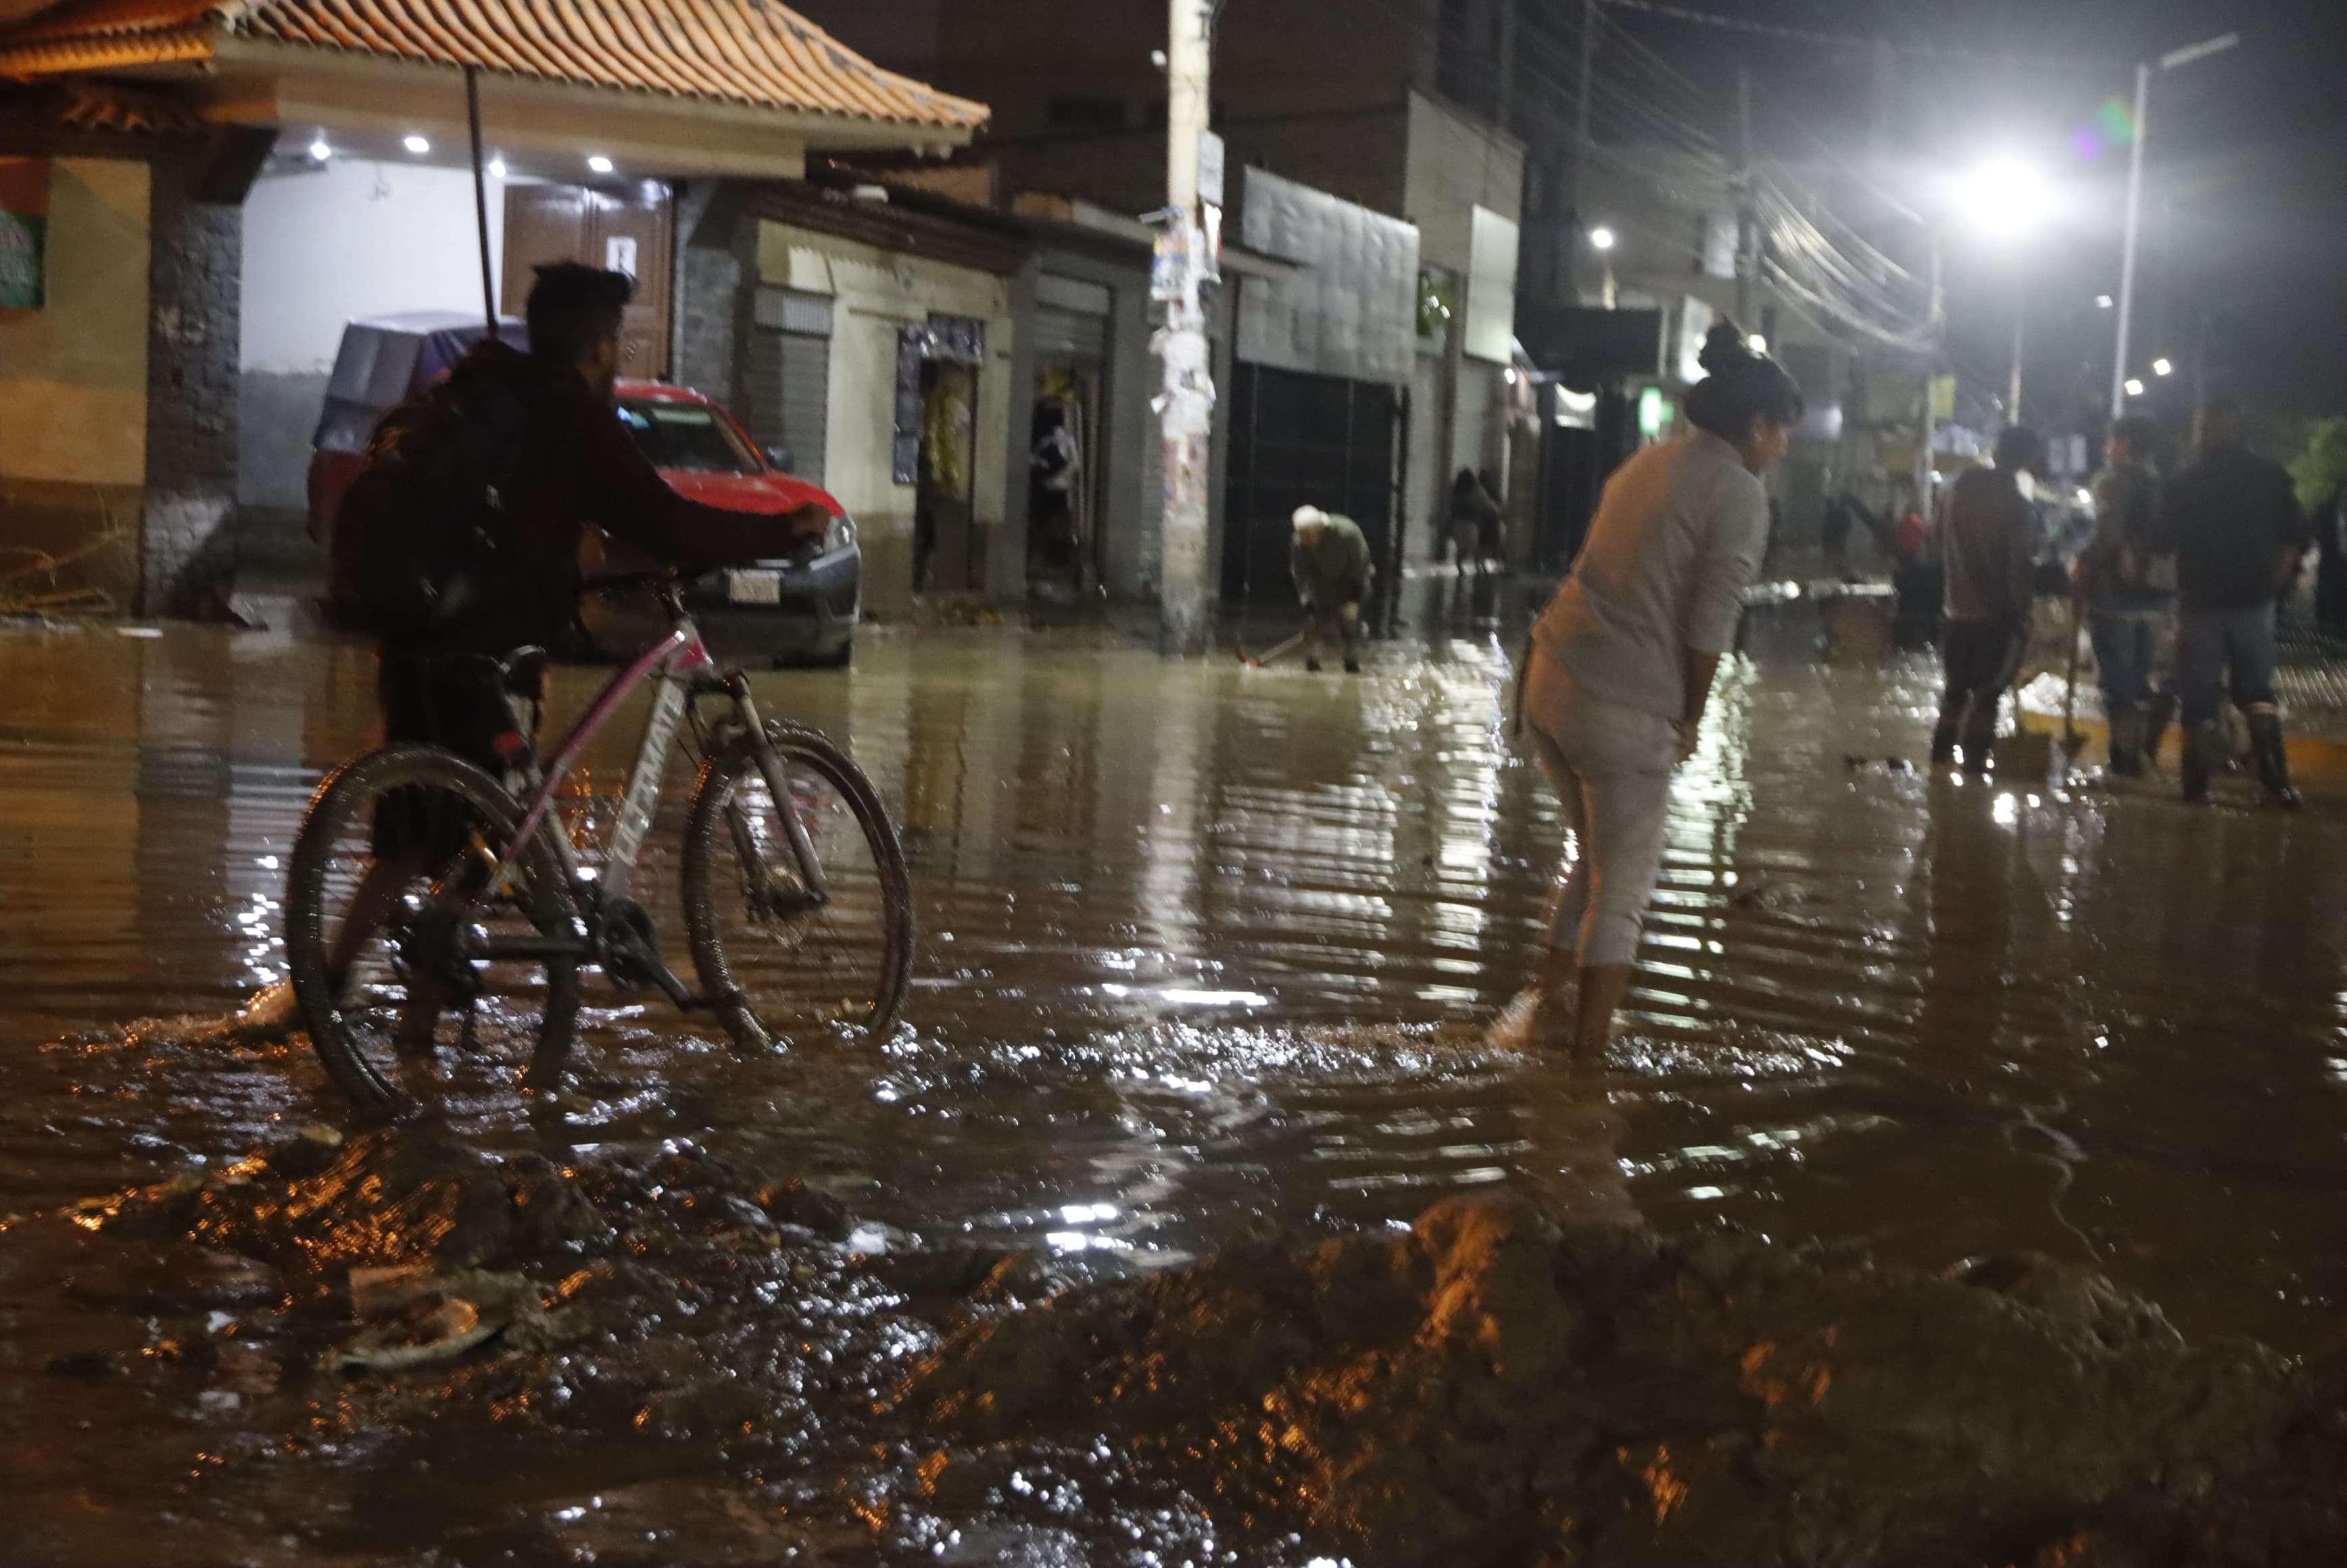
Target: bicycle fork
[[809, 865]]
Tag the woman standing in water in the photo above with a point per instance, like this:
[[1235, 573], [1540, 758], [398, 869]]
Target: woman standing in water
[[1625, 655]]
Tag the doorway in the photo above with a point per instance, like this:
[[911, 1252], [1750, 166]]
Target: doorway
[[628, 229], [1062, 487], [947, 553], [1298, 438]]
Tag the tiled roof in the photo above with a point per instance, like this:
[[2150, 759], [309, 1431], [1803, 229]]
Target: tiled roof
[[732, 51]]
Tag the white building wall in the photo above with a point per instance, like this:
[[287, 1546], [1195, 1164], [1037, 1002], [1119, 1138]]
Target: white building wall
[[323, 246], [874, 292], [356, 238]]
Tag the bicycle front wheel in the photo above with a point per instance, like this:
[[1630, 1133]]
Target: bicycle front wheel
[[413, 973], [781, 956]]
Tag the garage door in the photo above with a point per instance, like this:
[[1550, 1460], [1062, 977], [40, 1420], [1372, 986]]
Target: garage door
[[788, 398], [1071, 321], [1295, 439]]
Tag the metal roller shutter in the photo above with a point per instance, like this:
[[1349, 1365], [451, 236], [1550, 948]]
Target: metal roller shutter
[[1067, 337], [789, 374]]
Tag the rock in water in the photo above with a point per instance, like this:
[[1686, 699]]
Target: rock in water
[[1493, 1387]]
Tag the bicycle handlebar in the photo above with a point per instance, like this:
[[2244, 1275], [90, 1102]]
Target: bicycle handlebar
[[630, 581]]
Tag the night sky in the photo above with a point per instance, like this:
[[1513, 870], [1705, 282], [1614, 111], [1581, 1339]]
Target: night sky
[[2246, 238]]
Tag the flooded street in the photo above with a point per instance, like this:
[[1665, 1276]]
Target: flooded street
[[1204, 951]]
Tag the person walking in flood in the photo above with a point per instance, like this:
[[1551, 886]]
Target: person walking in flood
[[1474, 520], [1624, 656], [2126, 580], [2234, 519], [1989, 538], [1330, 562]]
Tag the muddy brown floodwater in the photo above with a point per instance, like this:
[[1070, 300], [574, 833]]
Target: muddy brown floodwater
[[1208, 954]]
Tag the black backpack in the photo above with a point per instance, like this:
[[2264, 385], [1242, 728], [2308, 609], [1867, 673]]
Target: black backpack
[[421, 539]]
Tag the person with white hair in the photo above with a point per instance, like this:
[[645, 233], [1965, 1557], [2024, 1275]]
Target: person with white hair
[[1329, 561]]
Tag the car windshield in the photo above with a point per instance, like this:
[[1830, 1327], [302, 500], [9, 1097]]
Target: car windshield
[[691, 437]]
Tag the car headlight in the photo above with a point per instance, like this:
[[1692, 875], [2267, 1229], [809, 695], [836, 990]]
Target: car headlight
[[839, 534]]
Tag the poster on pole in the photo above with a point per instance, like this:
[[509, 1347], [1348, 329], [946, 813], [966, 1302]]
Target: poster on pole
[[1210, 169], [23, 234]]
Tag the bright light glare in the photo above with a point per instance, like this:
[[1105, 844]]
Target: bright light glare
[[1601, 239], [2163, 367], [2134, 387], [416, 144], [1757, 344], [599, 164], [2005, 200], [2103, 302], [496, 168], [320, 150]]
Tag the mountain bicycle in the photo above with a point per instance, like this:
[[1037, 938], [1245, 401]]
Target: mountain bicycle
[[471, 930]]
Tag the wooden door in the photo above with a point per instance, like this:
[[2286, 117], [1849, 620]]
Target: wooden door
[[628, 229]]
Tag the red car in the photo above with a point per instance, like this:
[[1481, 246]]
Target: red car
[[800, 605]]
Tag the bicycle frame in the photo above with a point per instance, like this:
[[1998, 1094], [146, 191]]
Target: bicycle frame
[[680, 669]]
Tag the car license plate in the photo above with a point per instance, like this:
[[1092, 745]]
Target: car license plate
[[754, 587]]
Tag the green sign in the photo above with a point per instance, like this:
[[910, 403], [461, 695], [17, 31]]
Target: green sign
[[23, 234]]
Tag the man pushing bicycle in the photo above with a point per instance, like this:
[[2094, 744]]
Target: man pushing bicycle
[[457, 546]]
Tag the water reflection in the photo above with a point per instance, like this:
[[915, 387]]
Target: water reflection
[[1207, 946]]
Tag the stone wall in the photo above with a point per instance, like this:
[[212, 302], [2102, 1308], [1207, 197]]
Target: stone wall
[[193, 387], [709, 305]]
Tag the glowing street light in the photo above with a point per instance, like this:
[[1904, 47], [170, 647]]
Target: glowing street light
[[1601, 239], [2004, 198], [2162, 367], [2134, 387]]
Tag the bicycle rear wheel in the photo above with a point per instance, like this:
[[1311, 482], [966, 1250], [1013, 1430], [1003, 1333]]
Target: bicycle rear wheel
[[412, 974], [782, 959]]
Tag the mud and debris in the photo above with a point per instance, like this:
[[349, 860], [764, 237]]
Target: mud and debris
[[1207, 976], [1490, 1387], [1486, 1385]]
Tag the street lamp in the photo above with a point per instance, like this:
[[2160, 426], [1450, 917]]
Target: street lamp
[[2005, 200], [2169, 62], [2133, 388], [2162, 367]]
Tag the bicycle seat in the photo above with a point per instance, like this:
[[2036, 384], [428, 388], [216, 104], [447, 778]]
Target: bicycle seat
[[524, 670]]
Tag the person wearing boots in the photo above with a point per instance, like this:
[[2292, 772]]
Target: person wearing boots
[[1989, 535], [2235, 522], [2126, 580]]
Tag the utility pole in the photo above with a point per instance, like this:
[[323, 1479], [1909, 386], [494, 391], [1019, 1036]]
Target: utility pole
[[2135, 200], [2020, 344], [1186, 406], [1926, 461], [1582, 138], [1504, 101], [1748, 260], [2126, 250]]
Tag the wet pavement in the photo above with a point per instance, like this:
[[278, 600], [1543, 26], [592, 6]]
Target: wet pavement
[[1204, 949]]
